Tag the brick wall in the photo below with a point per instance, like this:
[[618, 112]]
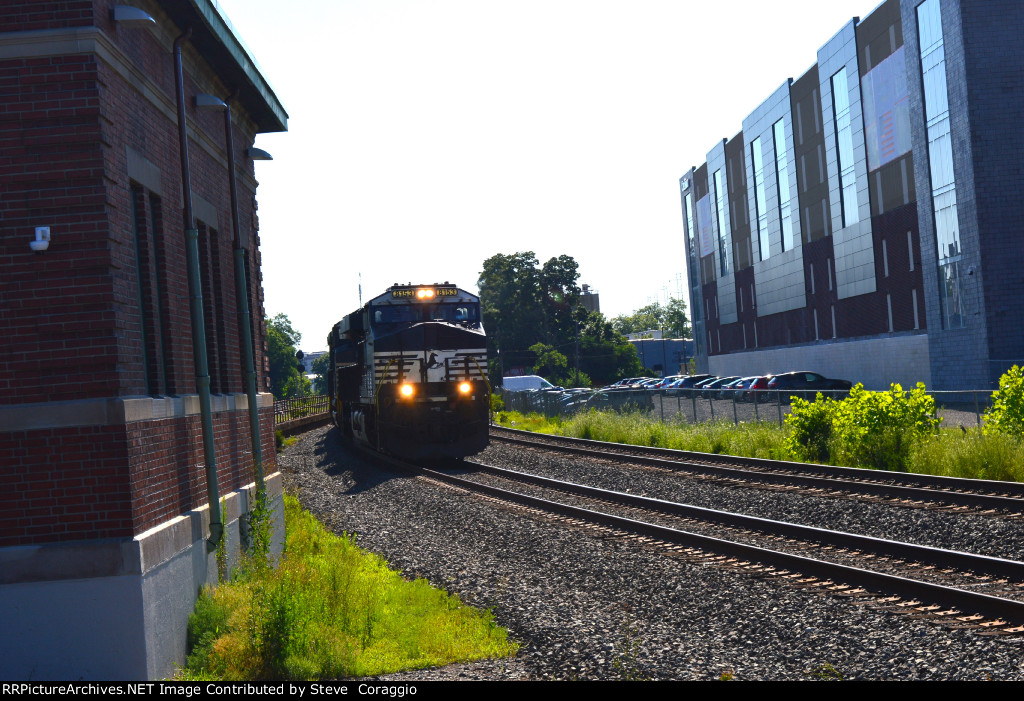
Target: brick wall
[[89, 147], [94, 482]]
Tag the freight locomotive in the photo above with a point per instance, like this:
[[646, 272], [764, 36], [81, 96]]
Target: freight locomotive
[[407, 373]]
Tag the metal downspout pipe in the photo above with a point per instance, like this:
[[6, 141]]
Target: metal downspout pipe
[[196, 307], [242, 296]]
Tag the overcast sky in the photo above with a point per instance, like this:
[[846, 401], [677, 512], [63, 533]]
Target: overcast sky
[[425, 136]]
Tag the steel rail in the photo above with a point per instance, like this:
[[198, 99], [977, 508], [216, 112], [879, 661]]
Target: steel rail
[[986, 605], [939, 557], [845, 479]]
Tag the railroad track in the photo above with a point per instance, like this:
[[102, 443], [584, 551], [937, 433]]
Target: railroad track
[[950, 588], [1001, 499], [955, 589]]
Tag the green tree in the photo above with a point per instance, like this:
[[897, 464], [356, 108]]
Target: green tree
[[524, 304], [605, 354], [645, 318], [550, 363], [511, 307], [319, 367], [286, 380], [560, 296], [671, 319], [677, 323]]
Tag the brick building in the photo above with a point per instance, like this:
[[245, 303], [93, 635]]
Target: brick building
[[104, 517], [865, 221]]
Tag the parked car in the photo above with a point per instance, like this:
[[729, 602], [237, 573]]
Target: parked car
[[709, 390], [521, 383], [805, 384], [666, 381], [756, 390], [735, 389], [683, 384]]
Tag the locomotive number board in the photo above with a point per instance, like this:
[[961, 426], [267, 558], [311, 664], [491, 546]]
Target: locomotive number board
[[424, 293]]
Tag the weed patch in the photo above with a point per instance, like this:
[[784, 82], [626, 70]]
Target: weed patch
[[331, 610]]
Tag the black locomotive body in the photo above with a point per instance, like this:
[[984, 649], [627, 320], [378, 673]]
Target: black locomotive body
[[407, 373]]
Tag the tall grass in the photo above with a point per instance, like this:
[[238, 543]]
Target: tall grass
[[331, 610], [757, 440], [950, 452], [955, 453]]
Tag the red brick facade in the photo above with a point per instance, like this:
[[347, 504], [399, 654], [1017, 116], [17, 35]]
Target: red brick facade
[[89, 148]]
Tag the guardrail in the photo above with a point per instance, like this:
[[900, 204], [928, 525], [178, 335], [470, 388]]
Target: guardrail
[[286, 410], [962, 408]]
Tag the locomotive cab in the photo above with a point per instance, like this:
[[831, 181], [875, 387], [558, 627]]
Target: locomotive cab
[[408, 373]]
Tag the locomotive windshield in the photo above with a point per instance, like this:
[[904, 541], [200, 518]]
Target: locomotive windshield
[[456, 313]]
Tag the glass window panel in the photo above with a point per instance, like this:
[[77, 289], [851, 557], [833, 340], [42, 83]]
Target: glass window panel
[[940, 162], [782, 181], [760, 205], [844, 149], [724, 237]]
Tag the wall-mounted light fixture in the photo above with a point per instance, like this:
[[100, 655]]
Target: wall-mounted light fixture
[[209, 102], [258, 154], [42, 240], [131, 16]]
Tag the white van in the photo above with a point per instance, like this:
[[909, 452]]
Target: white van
[[521, 383]]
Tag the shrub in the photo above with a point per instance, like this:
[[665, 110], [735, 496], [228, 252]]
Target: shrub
[[880, 429], [811, 429], [1007, 413]]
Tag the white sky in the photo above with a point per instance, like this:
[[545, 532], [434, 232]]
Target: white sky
[[428, 135]]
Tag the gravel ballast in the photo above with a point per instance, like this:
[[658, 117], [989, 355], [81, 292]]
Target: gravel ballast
[[588, 606]]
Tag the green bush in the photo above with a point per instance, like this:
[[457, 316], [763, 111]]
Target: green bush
[[869, 429], [811, 429], [1007, 413], [497, 403]]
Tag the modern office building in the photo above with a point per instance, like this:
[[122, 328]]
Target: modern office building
[[865, 223], [110, 248]]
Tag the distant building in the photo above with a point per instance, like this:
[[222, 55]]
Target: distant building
[[664, 356], [865, 223], [308, 359], [104, 513], [590, 299]]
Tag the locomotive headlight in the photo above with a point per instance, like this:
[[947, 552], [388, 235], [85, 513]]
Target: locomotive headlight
[[406, 390], [465, 387], [424, 294]]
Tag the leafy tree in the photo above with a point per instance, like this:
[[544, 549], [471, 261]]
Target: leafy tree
[[510, 305], [319, 367], [677, 323], [550, 363], [525, 304], [560, 295], [645, 318], [286, 380], [672, 319]]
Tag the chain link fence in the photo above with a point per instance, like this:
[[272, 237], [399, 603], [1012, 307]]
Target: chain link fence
[[963, 408]]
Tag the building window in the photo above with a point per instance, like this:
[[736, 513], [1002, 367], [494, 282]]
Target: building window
[[940, 161], [782, 170], [760, 207], [724, 237], [148, 238], [690, 233], [844, 148], [213, 309]]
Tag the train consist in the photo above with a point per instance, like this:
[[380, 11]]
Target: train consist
[[407, 373]]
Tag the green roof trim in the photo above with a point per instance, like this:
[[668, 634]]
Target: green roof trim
[[215, 39]]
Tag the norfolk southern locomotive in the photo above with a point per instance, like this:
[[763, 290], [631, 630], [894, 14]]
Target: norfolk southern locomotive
[[407, 373]]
